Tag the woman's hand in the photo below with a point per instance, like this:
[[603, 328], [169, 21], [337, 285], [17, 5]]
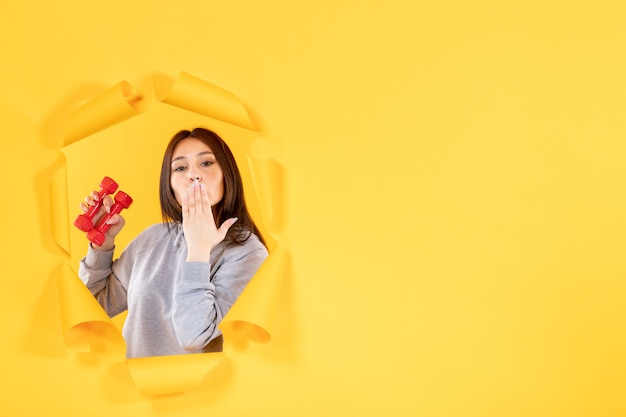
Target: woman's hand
[[201, 233], [117, 222]]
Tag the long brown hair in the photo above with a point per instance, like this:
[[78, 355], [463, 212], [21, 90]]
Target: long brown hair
[[233, 203]]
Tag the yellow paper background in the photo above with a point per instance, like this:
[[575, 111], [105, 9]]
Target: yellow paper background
[[453, 202]]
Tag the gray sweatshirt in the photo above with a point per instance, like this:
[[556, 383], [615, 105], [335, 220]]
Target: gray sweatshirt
[[174, 306]]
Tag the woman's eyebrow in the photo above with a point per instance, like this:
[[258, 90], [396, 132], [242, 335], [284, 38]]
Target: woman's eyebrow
[[199, 154]]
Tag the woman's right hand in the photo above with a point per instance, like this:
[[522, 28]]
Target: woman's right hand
[[116, 221]]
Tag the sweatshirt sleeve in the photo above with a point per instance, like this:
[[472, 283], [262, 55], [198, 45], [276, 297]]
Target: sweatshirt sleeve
[[96, 272], [202, 301]]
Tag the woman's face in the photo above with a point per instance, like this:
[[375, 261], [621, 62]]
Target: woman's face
[[193, 159]]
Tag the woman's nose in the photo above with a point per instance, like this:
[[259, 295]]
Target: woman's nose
[[194, 176]]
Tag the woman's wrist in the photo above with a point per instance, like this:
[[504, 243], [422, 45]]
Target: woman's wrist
[[106, 247], [199, 256]]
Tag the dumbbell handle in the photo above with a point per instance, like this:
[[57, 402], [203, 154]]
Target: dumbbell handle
[[97, 234], [85, 221]]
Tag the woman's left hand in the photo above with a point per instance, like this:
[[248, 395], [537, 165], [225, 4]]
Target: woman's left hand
[[201, 232]]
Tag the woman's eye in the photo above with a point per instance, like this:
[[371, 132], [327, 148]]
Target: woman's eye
[[179, 169], [207, 163]]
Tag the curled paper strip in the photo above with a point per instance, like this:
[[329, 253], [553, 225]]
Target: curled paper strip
[[115, 105], [199, 96], [252, 316], [267, 180], [86, 327], [59, 210], [82, 318]]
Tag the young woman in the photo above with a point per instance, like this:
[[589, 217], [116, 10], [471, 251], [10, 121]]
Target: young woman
[[179, 278]]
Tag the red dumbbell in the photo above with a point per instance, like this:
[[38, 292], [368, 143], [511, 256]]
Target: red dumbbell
[[85, 221], [96, 235]]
